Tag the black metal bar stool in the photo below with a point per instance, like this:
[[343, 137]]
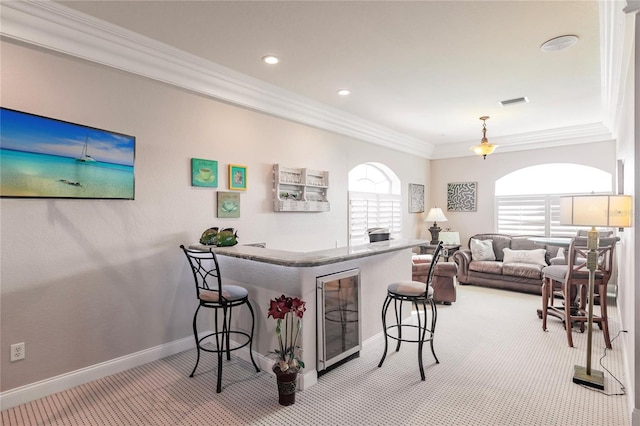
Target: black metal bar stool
[[419, 294], [212, 294]]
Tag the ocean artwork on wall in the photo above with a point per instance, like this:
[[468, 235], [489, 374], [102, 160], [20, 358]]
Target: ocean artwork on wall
[[43, 157]]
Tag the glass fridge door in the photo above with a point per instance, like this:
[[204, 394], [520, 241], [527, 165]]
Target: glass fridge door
[[339, 323]]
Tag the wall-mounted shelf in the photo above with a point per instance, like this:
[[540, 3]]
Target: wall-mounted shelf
[[300, 190]]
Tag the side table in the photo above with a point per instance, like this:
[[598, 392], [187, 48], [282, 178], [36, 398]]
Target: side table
[[446, 252]]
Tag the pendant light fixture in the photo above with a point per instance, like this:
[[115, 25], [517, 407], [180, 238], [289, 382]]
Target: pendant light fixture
[[485, 148]]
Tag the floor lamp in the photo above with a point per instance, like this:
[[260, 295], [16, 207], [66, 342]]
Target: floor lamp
[[601, 211]]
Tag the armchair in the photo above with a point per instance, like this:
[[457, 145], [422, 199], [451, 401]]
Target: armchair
[[444, 277]]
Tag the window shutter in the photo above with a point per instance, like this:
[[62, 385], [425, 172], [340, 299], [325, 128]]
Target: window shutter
[[522, 215], [370, 210], [358, 219], [556, 229], [537, 215]]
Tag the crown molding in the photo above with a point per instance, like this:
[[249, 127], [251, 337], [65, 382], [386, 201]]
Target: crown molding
[[550, 138], [53, 26], [611, 59]]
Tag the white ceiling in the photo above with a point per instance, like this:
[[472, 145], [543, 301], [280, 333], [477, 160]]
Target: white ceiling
[[424, 69]]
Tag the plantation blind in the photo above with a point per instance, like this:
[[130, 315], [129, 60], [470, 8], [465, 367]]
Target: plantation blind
[[537, 215], [370, 210], [522, 215]]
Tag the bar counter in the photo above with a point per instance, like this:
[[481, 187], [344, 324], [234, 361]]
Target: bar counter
[[313, 258], [267, 273]]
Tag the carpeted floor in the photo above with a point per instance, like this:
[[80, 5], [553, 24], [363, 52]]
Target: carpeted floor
[[497, 367]]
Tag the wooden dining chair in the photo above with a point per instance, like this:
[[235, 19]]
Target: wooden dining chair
[[569, 284]]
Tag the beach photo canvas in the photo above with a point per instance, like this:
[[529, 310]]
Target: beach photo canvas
[[43, 157]]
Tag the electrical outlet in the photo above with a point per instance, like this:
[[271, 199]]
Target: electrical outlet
[[17, 351]]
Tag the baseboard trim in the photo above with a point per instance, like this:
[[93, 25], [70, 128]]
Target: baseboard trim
[[66, 381], [69, 380], [43, 388]]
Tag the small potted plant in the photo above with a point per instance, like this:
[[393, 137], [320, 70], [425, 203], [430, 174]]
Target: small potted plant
[[288, 312]]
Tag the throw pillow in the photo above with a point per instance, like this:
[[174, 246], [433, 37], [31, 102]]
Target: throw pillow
[[535, 257], [482, 250]]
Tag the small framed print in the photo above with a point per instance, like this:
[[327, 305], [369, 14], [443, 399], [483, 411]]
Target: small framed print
[[416, 198], [204, 173], [237, 177], [228, 204]]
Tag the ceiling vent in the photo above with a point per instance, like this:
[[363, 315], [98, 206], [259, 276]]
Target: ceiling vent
[[514, 101], [559, 43]]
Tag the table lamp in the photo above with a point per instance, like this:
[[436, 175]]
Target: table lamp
[[435, 215], [594, 210]]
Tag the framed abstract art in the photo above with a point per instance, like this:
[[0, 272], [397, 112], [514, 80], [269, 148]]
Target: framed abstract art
[[462, 196], [416, 198]]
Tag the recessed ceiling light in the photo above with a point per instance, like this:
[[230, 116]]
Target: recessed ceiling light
[[344, 92], [559, 43], [270, 59]]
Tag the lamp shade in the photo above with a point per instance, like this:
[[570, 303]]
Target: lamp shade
[[435, 215], [596, 210], [484, 149]]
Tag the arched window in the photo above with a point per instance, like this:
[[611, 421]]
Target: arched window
[[527, 200], [374, 201]]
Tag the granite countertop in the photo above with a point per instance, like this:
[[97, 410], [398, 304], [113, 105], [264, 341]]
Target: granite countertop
[[313, 258]]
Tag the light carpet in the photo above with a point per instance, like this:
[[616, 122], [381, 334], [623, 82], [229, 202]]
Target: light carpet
[[497, 367]]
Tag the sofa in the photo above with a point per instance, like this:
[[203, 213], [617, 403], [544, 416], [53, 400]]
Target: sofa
[[505, 262], [444, 277]]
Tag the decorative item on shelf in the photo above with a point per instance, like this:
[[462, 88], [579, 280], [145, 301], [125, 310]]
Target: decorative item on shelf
[[288, 312], [602, 211], [435, 215], [485, 148], [221, 238], [286, 195]]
